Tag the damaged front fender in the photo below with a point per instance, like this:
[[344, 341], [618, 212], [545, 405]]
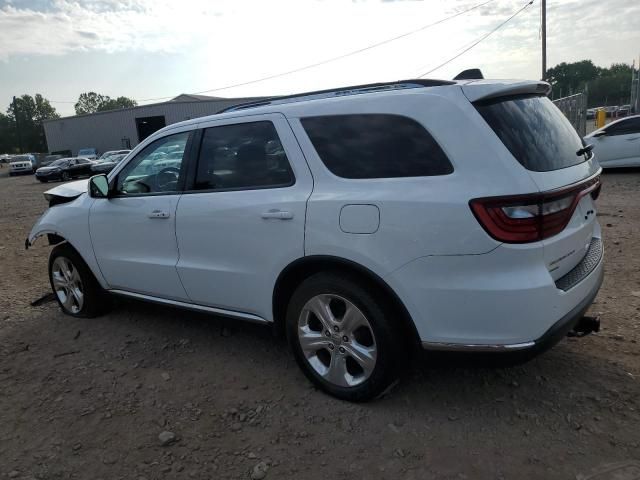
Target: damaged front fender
[[69, 222]]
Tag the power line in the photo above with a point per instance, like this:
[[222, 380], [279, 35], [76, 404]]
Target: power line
[[479, 40], [323, 62]]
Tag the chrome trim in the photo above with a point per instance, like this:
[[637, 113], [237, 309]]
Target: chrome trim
[[459, 347], [192, 306]]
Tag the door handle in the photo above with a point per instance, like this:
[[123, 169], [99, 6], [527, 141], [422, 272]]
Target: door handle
[[279, 214], [159, 214]]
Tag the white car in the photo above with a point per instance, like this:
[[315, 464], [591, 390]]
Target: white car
[[444, 215], [21, 164], [88, 153], [617, 144]]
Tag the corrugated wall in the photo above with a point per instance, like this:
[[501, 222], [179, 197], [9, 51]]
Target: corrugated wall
[[105, 130]]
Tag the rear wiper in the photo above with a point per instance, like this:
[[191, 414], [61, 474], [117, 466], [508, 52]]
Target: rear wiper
[[584, 150]]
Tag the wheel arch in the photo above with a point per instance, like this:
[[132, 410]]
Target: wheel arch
[[297, 271]]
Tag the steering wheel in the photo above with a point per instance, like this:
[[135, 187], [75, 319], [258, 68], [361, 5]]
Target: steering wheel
[[166, 177]]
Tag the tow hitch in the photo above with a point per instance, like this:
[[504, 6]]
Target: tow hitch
[[585, 326]]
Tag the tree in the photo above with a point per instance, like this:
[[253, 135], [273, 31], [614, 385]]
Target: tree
[[567, 78], [31, 112], [8, 141], [606, 86], [92, 102], [120, 102]]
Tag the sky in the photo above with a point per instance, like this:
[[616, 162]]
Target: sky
[[148, 49]]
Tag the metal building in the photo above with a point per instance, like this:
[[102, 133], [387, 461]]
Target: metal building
[[125, 128]]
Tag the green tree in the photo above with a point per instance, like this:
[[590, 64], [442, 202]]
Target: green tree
[[606, 86], [92, 102], [116, 103], [567, 78], [8, 142], [31, 112]]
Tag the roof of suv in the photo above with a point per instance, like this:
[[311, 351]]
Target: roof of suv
[[474, 90]]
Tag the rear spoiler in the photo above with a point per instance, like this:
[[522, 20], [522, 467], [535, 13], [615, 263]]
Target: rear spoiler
[[489, 89]]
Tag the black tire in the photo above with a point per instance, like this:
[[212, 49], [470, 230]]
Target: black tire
[[43, 180], [11, 174], [65, 177], [388, 341], [95, 300]]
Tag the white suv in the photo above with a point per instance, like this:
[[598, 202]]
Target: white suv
[[22, 164], [362, 221]]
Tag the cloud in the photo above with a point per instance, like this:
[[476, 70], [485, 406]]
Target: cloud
[[63, 26]]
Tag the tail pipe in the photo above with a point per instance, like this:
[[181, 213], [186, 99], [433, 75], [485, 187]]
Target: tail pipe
[[585, 326]]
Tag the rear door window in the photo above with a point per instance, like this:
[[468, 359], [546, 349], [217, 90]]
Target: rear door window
[[375, 146], [535, 131]]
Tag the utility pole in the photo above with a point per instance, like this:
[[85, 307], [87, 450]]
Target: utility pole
[[15, 114], [544, 39]]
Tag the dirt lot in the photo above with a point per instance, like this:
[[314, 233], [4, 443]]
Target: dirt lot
[[88, 399]]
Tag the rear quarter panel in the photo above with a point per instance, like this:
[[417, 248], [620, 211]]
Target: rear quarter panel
[[419, 216]]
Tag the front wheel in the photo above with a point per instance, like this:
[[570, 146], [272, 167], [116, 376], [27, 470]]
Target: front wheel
[[342, 337], [76, 289], [65, 177]]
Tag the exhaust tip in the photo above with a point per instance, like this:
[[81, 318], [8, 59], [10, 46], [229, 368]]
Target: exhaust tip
[[585, 326]]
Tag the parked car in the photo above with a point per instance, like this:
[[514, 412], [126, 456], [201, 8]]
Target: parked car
[[617, 144], [65, 169], [107, 164], [371, 230], [110, 153], [623, 111], [90, 153], [21, 164], [591, 113], [611, 110]]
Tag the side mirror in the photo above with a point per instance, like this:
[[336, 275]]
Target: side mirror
[[99, 186], [601, 133]]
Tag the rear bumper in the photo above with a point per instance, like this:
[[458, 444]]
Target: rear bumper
[[552, 336], [503, 300]]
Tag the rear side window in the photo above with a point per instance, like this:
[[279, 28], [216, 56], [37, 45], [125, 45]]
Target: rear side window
[[375, 146], [535, 131], [625, 127]]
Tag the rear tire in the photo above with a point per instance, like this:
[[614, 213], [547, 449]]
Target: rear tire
[[77, 291], [354, 351]]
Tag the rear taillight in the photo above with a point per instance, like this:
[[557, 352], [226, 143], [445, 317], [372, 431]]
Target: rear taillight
[[529, 218]]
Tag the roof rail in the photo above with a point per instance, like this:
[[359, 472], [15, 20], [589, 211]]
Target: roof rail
[[336, 92]]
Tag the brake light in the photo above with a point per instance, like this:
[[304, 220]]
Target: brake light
[[530, 218]]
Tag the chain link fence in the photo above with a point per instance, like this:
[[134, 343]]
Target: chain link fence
[[574, 108]]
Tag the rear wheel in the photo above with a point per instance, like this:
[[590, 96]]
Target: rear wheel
[[76, 289], [342, 337]]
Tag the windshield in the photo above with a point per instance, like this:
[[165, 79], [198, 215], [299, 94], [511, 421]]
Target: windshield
[[59, 163], [535, 131]]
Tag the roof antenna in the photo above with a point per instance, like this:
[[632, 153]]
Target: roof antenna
[[471, 74]]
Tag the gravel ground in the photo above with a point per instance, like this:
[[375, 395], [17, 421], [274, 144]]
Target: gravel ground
[[95, 398]]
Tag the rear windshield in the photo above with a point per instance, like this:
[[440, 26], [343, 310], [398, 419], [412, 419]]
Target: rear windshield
[[535, 131]]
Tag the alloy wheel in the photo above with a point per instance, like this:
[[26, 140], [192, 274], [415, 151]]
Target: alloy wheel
[[337, 340], [67, 284]]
